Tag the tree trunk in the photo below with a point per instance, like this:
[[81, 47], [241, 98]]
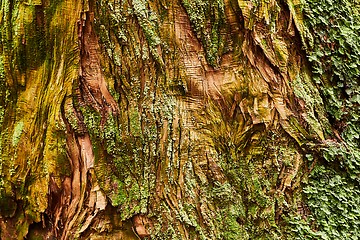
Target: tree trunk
[[179, 119]]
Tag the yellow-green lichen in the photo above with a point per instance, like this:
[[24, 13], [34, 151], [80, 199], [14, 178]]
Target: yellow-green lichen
[[18, 129], [208, 19]]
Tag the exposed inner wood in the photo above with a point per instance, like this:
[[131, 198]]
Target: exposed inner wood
[[80, 198]]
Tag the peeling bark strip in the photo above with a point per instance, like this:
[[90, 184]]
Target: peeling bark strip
[[93, 87], [81, 198]]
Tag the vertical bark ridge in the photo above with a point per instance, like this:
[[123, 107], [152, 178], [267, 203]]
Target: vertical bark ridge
[[87, 199]]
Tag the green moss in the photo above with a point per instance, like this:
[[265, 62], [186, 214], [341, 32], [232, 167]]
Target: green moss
[[148, 21], [207, 19], [18, 129], [122, 151], [126, 197], [248, 202], [92, 121], [121, 195], [333, 48], [135, 124], [231, 209], [72, 119], [334, 202], [111, 135], [335, 55]]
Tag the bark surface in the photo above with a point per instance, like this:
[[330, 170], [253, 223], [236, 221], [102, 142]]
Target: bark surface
[[178, 120]]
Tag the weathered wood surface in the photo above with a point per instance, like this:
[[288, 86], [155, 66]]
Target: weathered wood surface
[[163, 119]]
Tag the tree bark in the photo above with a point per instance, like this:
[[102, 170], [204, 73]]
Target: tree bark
[[165, 120]]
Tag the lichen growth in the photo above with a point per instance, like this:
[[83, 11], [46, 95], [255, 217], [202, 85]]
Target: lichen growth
[[208, 19], [148, 21], [18, 129], [315, 111], [332, 45]]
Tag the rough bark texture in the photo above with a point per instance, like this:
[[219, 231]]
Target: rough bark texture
[[205, 119]]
